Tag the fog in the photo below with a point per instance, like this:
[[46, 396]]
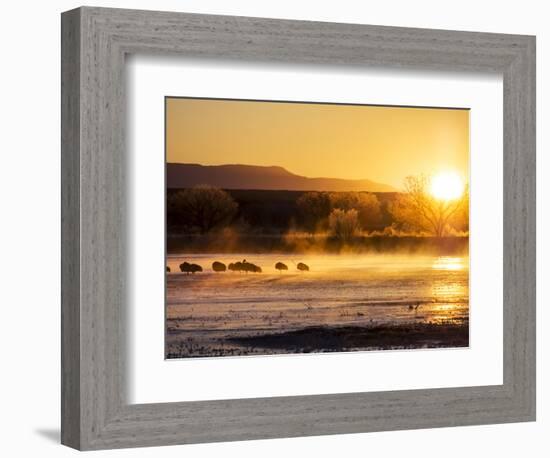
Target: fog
[[207, 311]]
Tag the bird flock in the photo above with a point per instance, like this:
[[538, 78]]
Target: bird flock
[[239, 266]]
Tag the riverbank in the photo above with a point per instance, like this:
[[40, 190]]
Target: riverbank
[[232, 242], [322, 339], [346, 338]]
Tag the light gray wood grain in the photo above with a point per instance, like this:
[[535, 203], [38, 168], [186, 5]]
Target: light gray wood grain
[[95, 410], [70, 229]]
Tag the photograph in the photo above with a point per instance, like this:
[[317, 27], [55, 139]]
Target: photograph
[[296, 227]]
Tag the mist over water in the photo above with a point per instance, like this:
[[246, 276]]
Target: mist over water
[[206, 309]]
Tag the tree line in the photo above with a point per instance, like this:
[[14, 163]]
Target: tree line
[[343, 215]]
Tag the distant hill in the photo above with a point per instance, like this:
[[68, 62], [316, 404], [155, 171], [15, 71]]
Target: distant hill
[[236, 176]]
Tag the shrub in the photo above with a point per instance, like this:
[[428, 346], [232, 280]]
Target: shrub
[[344, 224], [367, 205]]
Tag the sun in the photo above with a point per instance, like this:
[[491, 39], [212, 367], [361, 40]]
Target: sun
[[446, 186]]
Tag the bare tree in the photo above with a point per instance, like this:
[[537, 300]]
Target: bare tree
[[204, 207], [460, 220], [417, 209]]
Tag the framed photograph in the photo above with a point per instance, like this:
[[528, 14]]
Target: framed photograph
[[279, 228], [332, 264]]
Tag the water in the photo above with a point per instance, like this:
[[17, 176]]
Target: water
[[205, 309]]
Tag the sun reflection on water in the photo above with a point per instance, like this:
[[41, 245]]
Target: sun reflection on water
[[448, 290], [448, 263]]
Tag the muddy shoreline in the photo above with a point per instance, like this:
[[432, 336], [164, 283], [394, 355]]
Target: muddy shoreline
[[320, 339]]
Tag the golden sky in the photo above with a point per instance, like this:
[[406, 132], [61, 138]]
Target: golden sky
[[383, 144]]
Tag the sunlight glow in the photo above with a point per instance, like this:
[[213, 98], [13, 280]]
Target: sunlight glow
[[448, 263], [446, 186]]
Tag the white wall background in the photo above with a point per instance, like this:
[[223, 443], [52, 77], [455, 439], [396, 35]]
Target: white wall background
[[30, 245]]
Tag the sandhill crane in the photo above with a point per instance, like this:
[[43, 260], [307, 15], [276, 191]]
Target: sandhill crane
[[244, 266], [250, 267], [190, 268], [218, 266]]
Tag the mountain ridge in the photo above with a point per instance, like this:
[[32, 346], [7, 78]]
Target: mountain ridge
[[240, 176]]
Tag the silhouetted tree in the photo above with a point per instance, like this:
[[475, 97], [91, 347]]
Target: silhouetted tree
[[313, 210], [417, 209], [461, 219], [204, 207]]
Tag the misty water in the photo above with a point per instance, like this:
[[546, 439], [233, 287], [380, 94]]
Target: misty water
[[206, 309]]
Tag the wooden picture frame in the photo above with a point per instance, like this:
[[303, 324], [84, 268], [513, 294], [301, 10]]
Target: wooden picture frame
[[95, 410]]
